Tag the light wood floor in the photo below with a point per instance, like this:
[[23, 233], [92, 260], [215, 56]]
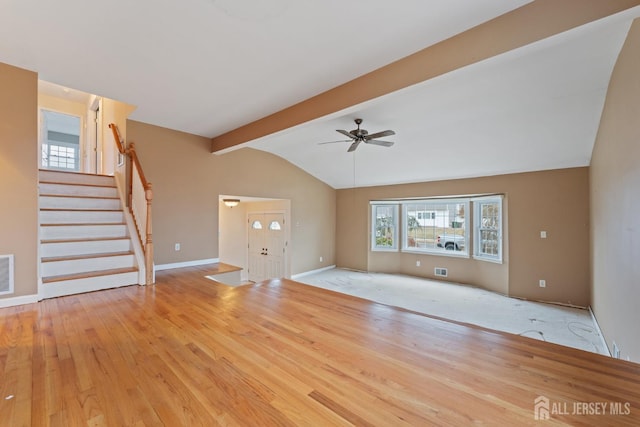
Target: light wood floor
[[189, 351]]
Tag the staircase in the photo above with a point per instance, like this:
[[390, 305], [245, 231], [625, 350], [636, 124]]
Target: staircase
[[84, 240]]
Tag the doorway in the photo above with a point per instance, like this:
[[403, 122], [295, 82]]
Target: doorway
[[235, 232], [60, 136], [266, 248]]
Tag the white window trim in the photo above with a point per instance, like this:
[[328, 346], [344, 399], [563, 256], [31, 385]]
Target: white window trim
[[396, 235], [440, 251], [477, 201]]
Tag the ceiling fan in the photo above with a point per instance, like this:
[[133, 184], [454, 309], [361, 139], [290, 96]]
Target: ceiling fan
[[361, 135]]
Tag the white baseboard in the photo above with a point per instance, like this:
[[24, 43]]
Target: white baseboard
[[25, 299], [604, 341], [186, 264], [308, 273]]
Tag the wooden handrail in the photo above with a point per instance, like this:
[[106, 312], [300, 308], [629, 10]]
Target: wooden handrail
[[116, 136], [131, 151], [145, 236]]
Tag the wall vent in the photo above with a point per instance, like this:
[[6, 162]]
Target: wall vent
[[6, 274], [441, 272]]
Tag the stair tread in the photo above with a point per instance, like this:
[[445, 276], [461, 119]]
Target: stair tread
[[84, 239], [82, 209], [80, 184], [78, 210], [88, 274], [74, 224], [85, 256], [54, 171], [76, 196]]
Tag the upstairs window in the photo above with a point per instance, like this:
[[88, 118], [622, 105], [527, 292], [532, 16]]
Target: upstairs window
[[60, 136]]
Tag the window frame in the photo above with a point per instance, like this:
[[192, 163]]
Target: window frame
[[435, 251], [395, 225], [477, 228], [46, 144]]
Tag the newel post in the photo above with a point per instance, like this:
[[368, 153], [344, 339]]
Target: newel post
[[148, 247]]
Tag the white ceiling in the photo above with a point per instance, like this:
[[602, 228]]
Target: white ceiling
[[209, 66]]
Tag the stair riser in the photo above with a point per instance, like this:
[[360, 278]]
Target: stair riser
[[56, 268], [52, 202], [81, 217], [60, 232], [76, 178], [78, 190], [84, 248], [67, 287]]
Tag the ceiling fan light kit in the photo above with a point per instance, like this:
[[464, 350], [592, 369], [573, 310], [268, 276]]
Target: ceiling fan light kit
[[358, 136]]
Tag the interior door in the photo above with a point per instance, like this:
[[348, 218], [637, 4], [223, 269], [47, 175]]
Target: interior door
[[266, 246]]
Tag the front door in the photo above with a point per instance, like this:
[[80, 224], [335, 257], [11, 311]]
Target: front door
[[266, 246]]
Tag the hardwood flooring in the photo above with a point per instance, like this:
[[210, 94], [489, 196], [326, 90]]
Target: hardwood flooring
[[189, 351]]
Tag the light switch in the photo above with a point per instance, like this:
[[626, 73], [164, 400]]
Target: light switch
[[543, 234]]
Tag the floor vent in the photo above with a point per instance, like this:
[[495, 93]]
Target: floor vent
[[6, 274], [441, 272]]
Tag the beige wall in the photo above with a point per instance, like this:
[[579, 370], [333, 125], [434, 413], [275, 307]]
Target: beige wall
[[615, 205], [187, 181], [554, 201], [113, 112], [19, 175]]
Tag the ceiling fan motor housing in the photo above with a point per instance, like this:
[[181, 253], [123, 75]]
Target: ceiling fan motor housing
[[358, 133]]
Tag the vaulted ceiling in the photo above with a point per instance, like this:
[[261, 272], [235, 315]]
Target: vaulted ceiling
[[210, 66]]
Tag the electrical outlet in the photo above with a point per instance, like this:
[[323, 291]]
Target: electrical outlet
[[321, 259], [543, 283], [177, 247], [543, 234], [417, 263]]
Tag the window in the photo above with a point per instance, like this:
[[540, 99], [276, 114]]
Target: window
[[488, 228], [60, 141], [274, 225], [256, 225], [384, 223], [459, 227], [435, 226]]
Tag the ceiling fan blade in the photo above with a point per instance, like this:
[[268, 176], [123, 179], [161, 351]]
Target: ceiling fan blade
[[345, 133], [378, 142], [380, 134], [333, 142], [353, 146]]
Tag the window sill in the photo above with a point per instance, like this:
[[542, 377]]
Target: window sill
[[452, 254], [488, 259]]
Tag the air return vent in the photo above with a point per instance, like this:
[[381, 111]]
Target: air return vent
[[441, 272], [6, 274]]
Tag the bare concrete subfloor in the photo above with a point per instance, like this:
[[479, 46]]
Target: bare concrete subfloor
[[572, 327]]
